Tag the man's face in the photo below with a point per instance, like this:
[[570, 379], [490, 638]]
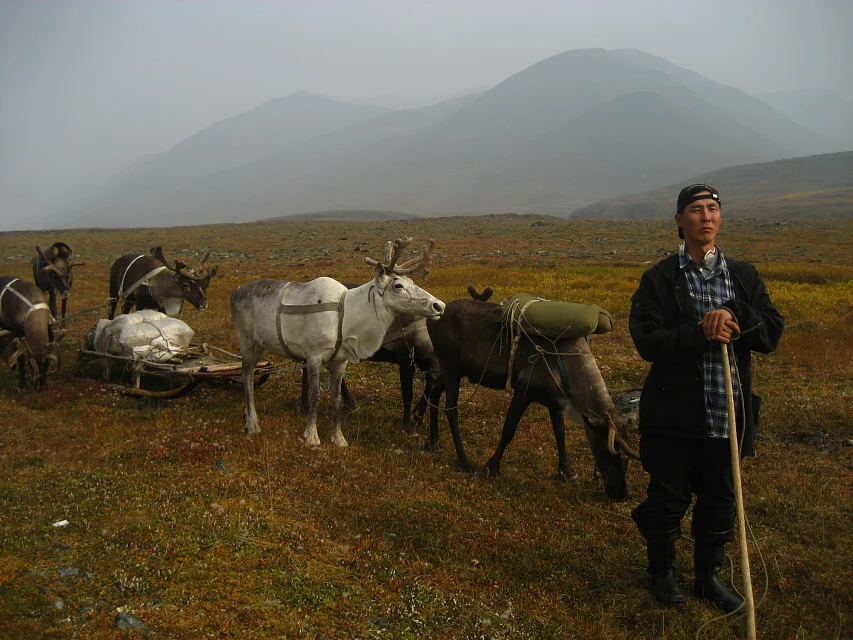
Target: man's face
[[700, 221]]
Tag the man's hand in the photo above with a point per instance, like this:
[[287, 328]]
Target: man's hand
[[719, 325]]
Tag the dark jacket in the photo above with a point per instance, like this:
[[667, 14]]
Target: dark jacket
[[664, 327]]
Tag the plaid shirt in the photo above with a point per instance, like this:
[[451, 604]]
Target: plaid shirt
[[709, 288]]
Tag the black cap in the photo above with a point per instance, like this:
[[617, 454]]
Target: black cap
[[688, 195]]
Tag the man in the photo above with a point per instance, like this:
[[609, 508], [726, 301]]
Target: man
[[685, 307]]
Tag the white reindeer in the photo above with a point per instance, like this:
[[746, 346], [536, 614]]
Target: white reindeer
[[323, 323]]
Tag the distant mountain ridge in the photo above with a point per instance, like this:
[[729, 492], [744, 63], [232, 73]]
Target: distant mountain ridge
[[568, 131], [347, 215], [820, 110], [816, 186]]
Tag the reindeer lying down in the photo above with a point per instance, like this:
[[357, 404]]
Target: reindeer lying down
[[321, 322]]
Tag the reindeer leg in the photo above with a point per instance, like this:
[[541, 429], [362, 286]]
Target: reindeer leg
[[313, 371], [127, 306], [51, 302], [564, 467], [433, 443], [64, 307], [303, 393], [250, 352], [407, 381], [22, 375], [349, 401], [451, 410], [517, 407], [337, 370], [419, 411]]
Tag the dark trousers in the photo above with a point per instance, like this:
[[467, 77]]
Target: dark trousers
[[678, 468]]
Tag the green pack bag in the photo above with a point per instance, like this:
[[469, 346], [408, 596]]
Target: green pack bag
[[554, 319]]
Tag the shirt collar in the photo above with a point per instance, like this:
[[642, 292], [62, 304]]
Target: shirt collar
[[712, 267]]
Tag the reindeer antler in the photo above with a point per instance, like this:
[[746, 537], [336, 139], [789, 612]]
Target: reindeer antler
[[613, 438], [157, 252], [419, 264], [48, 264], [393, 251], [399, 245]]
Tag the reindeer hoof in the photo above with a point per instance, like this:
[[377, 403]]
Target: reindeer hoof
[[466, 467], [409, 428], [432, 446], [562, 476], [491, 473]]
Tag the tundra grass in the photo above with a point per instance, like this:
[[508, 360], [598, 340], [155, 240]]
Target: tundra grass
[[179, 519]]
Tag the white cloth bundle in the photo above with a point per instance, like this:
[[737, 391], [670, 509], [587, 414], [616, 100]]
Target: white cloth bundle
[[148, 335]]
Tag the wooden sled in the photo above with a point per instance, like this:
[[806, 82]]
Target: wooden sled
[[147, 379]]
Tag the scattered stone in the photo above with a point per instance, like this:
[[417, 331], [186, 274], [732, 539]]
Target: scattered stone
[[82, 616], [382, 623], [69, 572], [219, 465], [126, 621], [59, 604], [848, 443]]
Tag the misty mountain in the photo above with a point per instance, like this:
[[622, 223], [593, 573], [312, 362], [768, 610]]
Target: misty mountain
[[796, 139], [819, 186], [227, 144], [568, 131], [818, 109], [258, 189]]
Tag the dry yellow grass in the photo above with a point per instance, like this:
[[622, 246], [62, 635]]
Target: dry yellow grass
[[385, 539]]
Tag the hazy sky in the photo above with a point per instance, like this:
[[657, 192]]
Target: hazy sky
[[87, 87]]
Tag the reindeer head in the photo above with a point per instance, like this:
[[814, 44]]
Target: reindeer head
[[391, 281], [193, 282], [611, 451], [18, 352], [56, 268]]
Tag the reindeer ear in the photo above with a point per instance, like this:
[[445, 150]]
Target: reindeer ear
[[379, 270], [213, 271], [55, 251]]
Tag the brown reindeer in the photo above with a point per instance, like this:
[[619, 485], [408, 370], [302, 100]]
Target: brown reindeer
[[470, 344], [27, 337], [53, 273], [151, 282]]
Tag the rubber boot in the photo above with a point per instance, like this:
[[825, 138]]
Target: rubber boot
[[708, 586], [662, 581]]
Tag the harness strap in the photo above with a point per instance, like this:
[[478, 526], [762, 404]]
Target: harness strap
[[122, 293], [304, 309], [403, 332], [515, 325], [32, 307]]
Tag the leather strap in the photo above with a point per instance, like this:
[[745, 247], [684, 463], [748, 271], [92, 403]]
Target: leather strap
[[304, 309], [32, 307]]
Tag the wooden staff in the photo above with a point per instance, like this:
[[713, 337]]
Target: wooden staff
[[741, 518]]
